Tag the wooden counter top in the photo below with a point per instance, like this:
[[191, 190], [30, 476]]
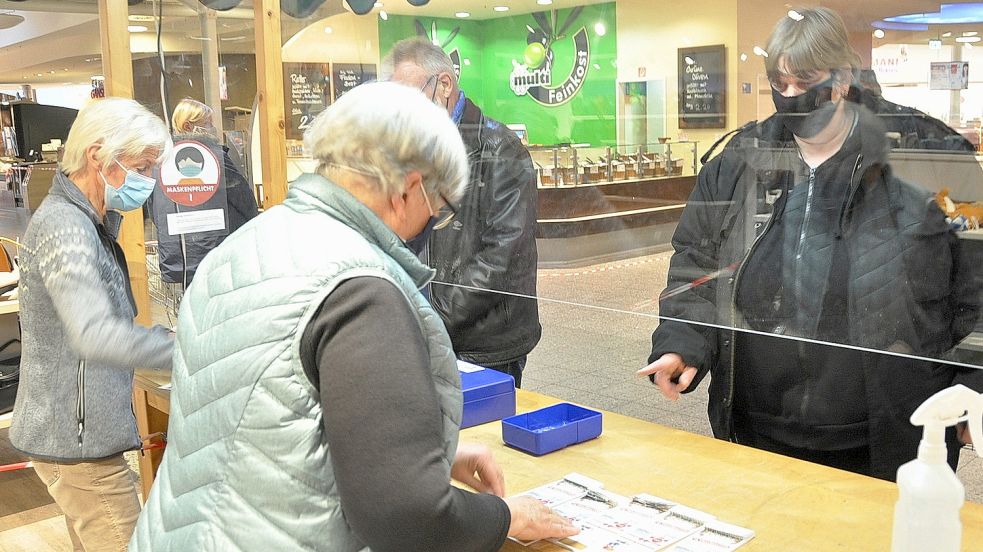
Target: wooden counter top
[[790, 504]]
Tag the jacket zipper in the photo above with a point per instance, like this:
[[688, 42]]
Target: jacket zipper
[[733, 316], [80, 401]]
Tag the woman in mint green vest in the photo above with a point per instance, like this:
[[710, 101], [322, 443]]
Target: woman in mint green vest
[[316, 399]]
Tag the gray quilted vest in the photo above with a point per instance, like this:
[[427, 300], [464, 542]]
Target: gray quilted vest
[[246, 466]]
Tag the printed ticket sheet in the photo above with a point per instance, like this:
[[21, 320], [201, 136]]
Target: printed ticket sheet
[[643, 523]]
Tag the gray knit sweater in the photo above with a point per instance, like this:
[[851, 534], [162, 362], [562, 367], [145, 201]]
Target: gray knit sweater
[[79, 342]]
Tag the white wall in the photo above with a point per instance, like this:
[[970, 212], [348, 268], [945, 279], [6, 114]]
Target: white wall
[[651, 31]]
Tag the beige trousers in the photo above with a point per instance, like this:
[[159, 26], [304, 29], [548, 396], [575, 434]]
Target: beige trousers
[[99, 499]]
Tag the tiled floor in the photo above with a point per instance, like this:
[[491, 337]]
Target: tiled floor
[[597, 323]]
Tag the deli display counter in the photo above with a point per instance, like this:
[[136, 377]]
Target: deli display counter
[[583, 164], [599, 204]]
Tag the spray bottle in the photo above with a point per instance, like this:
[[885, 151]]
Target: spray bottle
[[926, 516]]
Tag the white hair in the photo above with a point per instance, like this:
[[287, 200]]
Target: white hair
[[123, 127], [385, 130], [420, 52]]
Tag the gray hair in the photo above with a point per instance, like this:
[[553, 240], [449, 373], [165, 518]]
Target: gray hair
[[122, 126], [422, 53], [385, 130], [817, 40]]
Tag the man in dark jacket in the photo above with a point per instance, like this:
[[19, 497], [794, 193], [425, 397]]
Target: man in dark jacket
[[486, 258], [822, 293]]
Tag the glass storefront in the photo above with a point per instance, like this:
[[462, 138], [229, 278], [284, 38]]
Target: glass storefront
[[818, 288]]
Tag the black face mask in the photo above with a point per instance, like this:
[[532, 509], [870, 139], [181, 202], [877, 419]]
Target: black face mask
[[419, 242], [808, 113]]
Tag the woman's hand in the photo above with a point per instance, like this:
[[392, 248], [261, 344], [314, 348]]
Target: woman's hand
[[475, 466], [532, 520], [672, 375]]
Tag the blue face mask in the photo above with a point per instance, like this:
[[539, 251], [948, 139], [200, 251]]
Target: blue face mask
[[132, 194], [419, 242]]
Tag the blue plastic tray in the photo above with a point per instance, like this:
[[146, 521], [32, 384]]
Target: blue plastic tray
[[488, 396], [552, 428]]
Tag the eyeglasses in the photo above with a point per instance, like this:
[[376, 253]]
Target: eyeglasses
[[432, 79], [446, 213]]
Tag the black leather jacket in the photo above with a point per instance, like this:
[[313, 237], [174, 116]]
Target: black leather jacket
[[490, 245]]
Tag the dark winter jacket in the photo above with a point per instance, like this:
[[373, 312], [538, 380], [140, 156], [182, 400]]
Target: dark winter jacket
[[910, 289], [235, 195], [490, 245]]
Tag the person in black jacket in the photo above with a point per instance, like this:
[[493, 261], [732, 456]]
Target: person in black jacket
[[820, 291], [179, 256], [486, 259]]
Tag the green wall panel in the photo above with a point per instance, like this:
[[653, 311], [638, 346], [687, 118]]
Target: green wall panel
[[490, 49]]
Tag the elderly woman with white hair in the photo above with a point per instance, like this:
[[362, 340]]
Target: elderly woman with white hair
[[316, 400], [73, 413]]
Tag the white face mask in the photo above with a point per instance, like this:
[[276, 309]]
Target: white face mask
[[132, 194]]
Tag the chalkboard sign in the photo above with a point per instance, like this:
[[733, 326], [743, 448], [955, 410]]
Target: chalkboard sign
[[346, 76], [306, 94], [703, 87]]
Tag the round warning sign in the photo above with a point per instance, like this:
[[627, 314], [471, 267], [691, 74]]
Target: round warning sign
[[191, 174]]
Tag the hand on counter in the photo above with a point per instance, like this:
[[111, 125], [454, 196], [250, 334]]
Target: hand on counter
[[475, 466], [672, 375], [532, 520]]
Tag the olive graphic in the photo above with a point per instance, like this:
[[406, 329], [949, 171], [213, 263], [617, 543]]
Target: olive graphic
[[535, 54]]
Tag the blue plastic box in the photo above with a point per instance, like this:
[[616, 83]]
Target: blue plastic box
[[551, 428], [489, 395]]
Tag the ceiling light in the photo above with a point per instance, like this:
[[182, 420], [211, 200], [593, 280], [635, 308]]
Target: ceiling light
[[462, 14], [965, 39], [600, 29], [501, 8], [759, 51], [689, 60], [40, 74], [52, 71], [544, 2], [970, 33], [65, 69], [795, 15], [878, 33], [946, 34], [328, 30], [383, 15], [467, 61], [743, 56], [136, 28]]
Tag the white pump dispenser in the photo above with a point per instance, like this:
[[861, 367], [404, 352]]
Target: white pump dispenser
[[926, 516]]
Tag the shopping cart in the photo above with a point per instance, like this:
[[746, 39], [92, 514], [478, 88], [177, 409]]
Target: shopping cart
[[165, 296]]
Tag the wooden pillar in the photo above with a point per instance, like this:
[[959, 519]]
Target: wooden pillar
[[117, 67], [269, 91]]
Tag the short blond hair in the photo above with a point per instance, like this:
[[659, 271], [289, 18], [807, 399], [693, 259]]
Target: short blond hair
[[189, 112], [814, 40], [123, 128]]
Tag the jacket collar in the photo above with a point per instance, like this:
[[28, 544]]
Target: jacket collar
[[471, 125], [314, 190], [62, 186]]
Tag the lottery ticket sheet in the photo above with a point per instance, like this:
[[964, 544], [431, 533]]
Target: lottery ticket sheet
[[642, 523]]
